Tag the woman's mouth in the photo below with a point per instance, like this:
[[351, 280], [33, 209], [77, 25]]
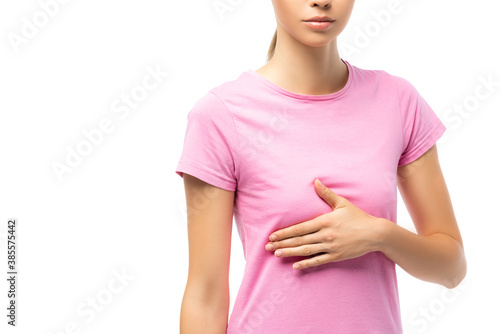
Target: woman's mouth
[[319, 25]]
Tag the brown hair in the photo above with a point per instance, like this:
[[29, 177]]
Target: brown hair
[[270, 53]]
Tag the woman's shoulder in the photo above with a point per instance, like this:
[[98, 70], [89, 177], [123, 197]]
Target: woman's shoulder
[[383, 77]]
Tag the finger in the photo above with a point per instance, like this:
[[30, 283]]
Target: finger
[[306, 227], [313, 261], [329, 196], [300, 240], [304, 250]]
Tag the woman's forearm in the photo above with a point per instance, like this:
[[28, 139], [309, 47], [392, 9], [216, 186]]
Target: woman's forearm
[[436, 258], [201, 315]]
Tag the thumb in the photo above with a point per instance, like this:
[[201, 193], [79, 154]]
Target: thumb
[[327, 194]]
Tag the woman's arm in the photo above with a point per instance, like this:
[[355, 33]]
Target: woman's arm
[[436, 254], [205, 305]]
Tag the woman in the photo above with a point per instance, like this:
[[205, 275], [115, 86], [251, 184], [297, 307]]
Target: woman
[[319, 259]]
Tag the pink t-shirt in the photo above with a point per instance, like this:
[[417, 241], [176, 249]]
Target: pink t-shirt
[[268, 145]]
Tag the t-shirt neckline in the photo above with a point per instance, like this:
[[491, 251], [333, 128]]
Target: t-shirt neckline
[[283, 91]]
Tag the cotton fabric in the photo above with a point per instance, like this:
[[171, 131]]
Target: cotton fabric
[[268, 144]]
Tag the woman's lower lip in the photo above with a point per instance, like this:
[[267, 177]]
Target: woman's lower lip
[[319, 25]]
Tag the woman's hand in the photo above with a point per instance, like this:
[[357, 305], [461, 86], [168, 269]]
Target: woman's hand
[[346, 232]]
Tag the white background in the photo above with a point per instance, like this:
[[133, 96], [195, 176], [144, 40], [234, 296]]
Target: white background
[[123, 207]]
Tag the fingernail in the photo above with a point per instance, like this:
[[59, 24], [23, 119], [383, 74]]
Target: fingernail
[[278, 253], [270, 247], [273, 237]]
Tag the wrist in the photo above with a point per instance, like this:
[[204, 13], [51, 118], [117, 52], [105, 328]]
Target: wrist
[[382, 231]]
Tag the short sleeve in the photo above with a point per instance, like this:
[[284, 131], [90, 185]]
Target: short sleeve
[[210, 144], [421, 127]]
